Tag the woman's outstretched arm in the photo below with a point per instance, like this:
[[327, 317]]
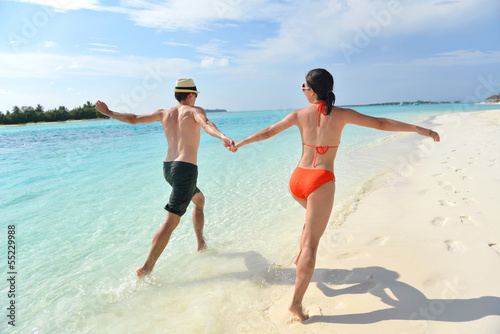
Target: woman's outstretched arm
[[270, 131], [386, 124]]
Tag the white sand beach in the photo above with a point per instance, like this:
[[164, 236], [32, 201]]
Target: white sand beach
[[421, 252]]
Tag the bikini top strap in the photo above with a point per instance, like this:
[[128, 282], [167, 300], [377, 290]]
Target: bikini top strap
[[321, 109], [319, 149]]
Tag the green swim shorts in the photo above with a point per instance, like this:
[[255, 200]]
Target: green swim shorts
[[182, 176]]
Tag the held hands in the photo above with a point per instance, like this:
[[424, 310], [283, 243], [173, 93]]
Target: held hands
[[234, 148], [229, 144], [428, 133]]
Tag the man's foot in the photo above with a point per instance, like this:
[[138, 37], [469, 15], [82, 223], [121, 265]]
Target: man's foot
[[297, 310], [202, 245], [141, 272]]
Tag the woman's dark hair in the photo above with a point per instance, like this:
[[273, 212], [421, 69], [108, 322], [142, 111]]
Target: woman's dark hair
[[321, 82]]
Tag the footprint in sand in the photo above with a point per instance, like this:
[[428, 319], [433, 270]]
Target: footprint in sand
[[467, 220], [466, 178], [439, 221], [455, 246], [446, 186], [447, 203], [378, 241], [469, 200], [459, 170], [436, 175], [351, 256], [340, 238], [496, 247], [449, 188]]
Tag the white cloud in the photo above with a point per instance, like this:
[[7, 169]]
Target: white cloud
[[319, 28], [178, 44], [212, 62], [103, 45], [5, 92], [104, 50], [460, 57], [64, 5], [46, 65], [200, 14], [49, 44], [215, 47], [307, 33]]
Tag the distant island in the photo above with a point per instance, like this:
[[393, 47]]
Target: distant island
[[38, 114], [215, 110], [406, 103]]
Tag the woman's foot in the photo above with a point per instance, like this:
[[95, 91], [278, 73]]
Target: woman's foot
[[297, 310]]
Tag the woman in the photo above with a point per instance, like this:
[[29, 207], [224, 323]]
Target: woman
[[312, 184]]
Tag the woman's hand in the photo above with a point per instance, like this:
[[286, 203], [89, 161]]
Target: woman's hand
[[237, 145], [428, 133]]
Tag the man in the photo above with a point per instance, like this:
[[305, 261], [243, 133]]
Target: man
[[182, 125]]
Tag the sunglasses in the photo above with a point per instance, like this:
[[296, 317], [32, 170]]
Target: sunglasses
[[304, 88]]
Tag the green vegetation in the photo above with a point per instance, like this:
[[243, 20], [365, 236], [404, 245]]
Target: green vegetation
[[25, 115]]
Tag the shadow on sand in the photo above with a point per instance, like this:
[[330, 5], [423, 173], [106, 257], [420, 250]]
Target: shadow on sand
[[406, 302]]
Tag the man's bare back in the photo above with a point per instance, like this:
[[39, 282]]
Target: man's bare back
[[182, 132]]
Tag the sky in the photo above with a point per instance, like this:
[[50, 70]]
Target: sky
[[245, 54]]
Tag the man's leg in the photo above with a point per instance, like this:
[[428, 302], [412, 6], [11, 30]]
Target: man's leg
[[160, 241], [199, 219]]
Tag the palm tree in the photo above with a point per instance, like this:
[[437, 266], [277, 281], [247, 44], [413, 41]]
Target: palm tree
[[494, 98]]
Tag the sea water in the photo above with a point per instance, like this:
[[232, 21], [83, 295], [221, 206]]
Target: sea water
[[87, 197]]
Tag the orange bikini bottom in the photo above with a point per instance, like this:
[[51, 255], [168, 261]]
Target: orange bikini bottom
[[304, 181]]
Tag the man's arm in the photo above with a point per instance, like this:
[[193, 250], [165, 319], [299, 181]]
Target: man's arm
[[200, 117], [128, 118]]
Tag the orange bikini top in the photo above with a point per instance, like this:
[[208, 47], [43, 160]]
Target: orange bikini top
[[320, 149]]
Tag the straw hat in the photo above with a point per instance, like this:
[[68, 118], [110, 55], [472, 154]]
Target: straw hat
[[185, 86]]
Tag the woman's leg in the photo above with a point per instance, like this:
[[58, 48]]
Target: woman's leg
[[303, 202], [319, 208]]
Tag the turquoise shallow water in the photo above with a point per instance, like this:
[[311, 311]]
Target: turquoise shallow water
[[87, 197]]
